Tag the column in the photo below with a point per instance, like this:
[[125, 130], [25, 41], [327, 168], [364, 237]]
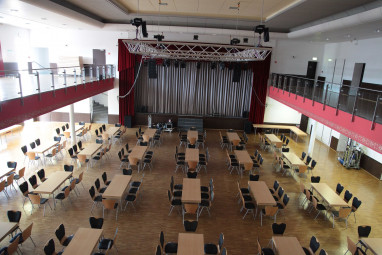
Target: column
[[72, 124], [312, 137]]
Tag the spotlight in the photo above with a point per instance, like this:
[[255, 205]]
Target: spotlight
[[259, 29], [213, 65], [196, 37], [137, 22], [221, 65], [166, 63], [245, 40], [144, 29], [159, 37], [182, 64], [198, 65], [176, 64], [235, 41]]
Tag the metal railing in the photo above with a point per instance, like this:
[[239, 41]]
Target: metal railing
[[22, 83], [361, 102]]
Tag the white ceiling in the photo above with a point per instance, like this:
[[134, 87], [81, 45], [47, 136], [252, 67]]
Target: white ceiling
[[281, 15]]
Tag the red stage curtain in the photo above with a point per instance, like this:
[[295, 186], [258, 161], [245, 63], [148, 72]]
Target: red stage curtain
[[260, 80], [126, 65]]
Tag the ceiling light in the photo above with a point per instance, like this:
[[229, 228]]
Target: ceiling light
[[14, 10], [64, 24], [27, 23], [378, 30], [327, 39], [314, 58], [330, 60], [348, 36], [44, 18]]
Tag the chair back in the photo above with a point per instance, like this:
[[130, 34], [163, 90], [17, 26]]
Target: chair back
[[323, 252], [221, 241], [24, 149], [72, 185], [60, 233], [271, 210], [33, 145], [303, 155], [96, 223], [364, 231], [224, 251], [339, 188], [348, 195], [12, 248], [27, 232], [356, 203], [314, 244], [190, 225], [278, 229], [254, 177], [2, 185], [35, 198], [10, 179], [192, 175], [351, 246], [109, 203], [308, 159], [31, 155], [104, 177], [315, 179], [127, 171], [14, 216], [41, 174], [67, 191], [23, 187], [313, 164], [92, 192], [12, 164], [50, 248], [68, 168]]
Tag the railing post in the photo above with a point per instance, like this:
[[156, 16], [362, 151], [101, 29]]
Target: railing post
[[326, 94], [305, 85], [97, 73], [314, 90], [338, 101], [298, 81], [284, 83], [379, 98], [83, 76], [112, 71], [21, 89], [290, 84], [66, 88], [75, 78], [358, 93], [91, 74], [38, 85], [54, 90], [103, 72]]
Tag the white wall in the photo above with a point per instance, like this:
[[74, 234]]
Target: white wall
[[276, 112], [101, 98], [82, 106]]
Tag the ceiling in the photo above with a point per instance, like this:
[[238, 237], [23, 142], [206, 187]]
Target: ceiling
[[282, 16]]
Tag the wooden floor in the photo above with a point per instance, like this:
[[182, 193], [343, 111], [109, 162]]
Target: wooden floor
[[139, 231]]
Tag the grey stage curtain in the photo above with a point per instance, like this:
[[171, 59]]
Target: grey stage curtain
[[192, 91]]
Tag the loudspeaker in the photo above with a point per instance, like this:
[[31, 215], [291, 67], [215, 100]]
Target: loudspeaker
[[311, 72], [245, 114], [144, 29], [128, 121], [266, 34], [247, 127], [152, 69], [236, 73]]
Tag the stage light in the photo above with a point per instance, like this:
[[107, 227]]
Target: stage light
[[235, 41], [196, 37], [159, 37], [245, 40], [213, 65], [176, 64], [221, 65], [198, 64]]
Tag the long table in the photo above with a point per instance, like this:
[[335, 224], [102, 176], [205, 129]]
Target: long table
[[190, 244], [292, 129], [83, 242], [5, 172], [117, 187], [90, 149], [287, 245], [6, 228], [273, 139], [150, 132], [138, 152], [192, 155], [44, 147], [328, 195], [295, 161], [54, 181], [244, 159], [191, 191], [374, 245], [261, 194]]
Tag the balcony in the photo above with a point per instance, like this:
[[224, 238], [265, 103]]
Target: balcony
[[354, 112], [27, 94]]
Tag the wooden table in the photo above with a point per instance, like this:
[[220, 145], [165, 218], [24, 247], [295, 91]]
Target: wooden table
[[190, 244], [5, 172], [111, 131], [233, 136], [150, 132], [138, 152], [261, 193], [273, 139], [54, 181], [83, 242], [287, 245], [6, 228], [292, 129], [328, 194], [44, 147], [295, 161], [243, 157], [192, 155], [117, 187], [374, 244], [191, 191], [90, 149]]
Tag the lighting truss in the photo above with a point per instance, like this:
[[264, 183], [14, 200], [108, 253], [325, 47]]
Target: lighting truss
[[196, 51]]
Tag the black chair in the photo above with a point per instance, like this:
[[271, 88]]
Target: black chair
[[173, 202], [38, 142], [96, 199], [308, 159], [96, 222], [323, 252], [127, 171], [339, 189], [303, 155], [278, 229], [355, 205], [33, 145], [211, 248], [41, 175], [63, 128], [104, 178], [58, 132], [276, 185], [280, 193], [170, 247], [363, 232], [104, 127], [67, 126], [191, 146], [315, 179], [33, 181], [264, 251], [50, 248], [60, 234], [192, 175], [314, 245], [75, 148], [57, 138], [68, 168], [190, 226], [348, 195], [98, 186], [24, 190], [80, 145], [254, 177], [143, 144], [24, 149], [14, 216]]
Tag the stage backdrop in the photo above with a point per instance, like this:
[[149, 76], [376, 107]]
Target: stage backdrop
[[194, 91]]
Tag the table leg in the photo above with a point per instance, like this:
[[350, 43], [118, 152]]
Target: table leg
[[256, 211]]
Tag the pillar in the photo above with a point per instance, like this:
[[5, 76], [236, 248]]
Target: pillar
[[312, 137], [72, 124]]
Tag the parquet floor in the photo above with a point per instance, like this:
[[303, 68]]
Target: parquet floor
[[139, 231]]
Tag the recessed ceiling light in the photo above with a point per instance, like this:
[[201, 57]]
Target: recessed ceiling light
[[348, 35], [27, 23], [44, 18], [314, 58], [327, 39], [64, 24], [330, 60], [14, 10], [378, 30]]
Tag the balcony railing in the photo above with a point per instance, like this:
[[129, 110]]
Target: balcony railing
[[22, 83], [361, 102]]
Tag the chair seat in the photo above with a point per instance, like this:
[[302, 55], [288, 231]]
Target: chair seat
[[104, 244], [204, 203], [210, 248], [43, 200], [135, 184], [60, 196], [249, 206], [14, 238], [178, 186], [267, 251], [130, 198], [176, 202], [98, 198], [272, 191], [171, 248], [247, 198], [244, 190]]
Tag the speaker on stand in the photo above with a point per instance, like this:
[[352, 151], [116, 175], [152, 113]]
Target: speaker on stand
[[128, 121]]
